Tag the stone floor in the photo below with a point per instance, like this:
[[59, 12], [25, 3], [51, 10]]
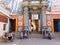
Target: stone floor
[[33, 41]]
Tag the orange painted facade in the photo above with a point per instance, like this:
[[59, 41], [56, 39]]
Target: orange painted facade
[[52, 16], [49, 19], [3, 18], [17, 21]]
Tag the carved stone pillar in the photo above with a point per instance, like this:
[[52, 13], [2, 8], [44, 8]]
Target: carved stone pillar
[[43, 16], [26, 18]]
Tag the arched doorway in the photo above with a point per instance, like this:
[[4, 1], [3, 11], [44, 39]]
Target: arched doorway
[[12, 25], [35, 23]]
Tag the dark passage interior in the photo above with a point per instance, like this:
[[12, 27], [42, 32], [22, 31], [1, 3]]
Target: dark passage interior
[[35, 24], [12, 25], [57, 25]]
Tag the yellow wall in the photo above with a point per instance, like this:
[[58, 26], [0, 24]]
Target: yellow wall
[[17, 21]]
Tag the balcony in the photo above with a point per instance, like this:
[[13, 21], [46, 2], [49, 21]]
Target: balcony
[[45, 3]]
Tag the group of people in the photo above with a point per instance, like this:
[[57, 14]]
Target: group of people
[[47, 35], [9, 36]]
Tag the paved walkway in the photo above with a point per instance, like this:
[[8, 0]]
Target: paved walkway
[[33, 41]]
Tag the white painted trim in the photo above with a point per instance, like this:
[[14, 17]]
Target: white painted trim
[[1, 28], [51, 13]]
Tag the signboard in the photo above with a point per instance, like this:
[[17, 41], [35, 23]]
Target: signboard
[[34, 16]]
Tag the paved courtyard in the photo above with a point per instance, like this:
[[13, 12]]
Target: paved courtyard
[[33, 41]]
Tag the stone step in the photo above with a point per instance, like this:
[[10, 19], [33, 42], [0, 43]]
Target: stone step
[[57, 34], [32, 35], [35, 35], [17, 34], [38, 35]]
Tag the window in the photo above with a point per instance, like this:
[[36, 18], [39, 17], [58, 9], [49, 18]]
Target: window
[[4, 27]]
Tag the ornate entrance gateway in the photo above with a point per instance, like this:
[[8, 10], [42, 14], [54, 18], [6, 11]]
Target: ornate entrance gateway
[[34, 22], [34, 14]]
